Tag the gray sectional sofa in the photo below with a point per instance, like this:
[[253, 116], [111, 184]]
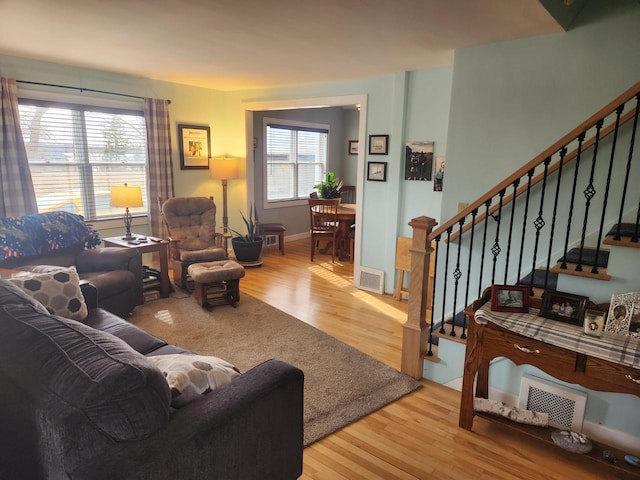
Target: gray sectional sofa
[[82, 400]]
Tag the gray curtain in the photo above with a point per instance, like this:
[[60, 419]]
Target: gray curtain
[[156, 114], [17, 196]]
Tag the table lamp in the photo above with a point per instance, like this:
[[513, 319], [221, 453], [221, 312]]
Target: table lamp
[[126, 197], [224, 169]]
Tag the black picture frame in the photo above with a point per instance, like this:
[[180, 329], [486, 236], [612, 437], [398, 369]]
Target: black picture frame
[[195, 146], [378, 144], [564, 307], [510, 298], [377, 171], [353, 147]]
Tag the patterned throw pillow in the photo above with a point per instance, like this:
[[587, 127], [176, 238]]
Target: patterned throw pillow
[[191, 376], [58, 291]]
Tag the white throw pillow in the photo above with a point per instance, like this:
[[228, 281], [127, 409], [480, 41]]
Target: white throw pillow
[[58, 291], [191, 376]]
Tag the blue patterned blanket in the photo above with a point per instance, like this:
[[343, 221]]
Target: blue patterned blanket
[[42, 233]]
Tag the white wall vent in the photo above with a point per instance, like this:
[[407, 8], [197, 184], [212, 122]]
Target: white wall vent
[[565, 406], [371, 280]]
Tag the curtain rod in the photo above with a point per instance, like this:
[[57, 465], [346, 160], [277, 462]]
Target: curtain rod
[[81, 89]]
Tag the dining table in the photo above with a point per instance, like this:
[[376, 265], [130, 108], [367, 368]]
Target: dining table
[[346, 218]]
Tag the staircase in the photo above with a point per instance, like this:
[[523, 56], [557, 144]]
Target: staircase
[[561, 216]]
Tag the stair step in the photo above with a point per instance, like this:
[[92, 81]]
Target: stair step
[[585, 273], [627, 232], [588, 257], [459, 321], [538, 279]]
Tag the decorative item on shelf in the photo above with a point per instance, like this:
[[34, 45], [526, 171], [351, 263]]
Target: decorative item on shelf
[[329, 187], [247, 247], [564, 307], [126, 197], [593, 323], [624, 314], [510, 298], [225, 169]]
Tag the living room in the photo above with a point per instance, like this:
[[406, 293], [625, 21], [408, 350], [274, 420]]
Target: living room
[[489, 102]]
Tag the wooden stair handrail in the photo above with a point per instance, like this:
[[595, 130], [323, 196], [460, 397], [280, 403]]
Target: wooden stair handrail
[[540, 158]]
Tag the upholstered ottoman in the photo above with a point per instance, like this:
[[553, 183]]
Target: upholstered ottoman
[[216, 282]]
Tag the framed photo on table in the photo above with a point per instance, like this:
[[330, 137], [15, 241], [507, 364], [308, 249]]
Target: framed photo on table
[[564, 307], [510, 298], [624, 314], [377, 171], [378, 144], [195, 146]]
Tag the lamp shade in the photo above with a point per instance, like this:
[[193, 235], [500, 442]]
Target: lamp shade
[[125, 196], [223, 168]]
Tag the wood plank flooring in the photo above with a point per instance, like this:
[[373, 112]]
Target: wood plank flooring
[[416, 437]]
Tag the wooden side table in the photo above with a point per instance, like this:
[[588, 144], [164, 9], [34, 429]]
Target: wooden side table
[[150, 246]]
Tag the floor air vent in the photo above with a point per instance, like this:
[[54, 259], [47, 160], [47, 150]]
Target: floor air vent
[[565, 406], [371, 280]]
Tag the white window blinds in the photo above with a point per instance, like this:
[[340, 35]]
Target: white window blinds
[[76, 153]]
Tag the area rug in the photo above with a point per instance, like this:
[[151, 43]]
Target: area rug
[[341, 383]]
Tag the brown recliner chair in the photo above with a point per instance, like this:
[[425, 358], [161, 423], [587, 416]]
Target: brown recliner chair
[[191, 227]]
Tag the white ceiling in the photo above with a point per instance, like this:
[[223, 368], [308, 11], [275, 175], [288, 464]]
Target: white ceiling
[[241, 44]]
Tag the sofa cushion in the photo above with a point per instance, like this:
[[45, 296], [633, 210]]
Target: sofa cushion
[[11, 293], [191, 376], [58, 290], [67, 366], [141, 341]]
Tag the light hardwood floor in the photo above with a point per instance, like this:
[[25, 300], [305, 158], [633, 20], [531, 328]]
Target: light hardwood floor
[[416, 437]]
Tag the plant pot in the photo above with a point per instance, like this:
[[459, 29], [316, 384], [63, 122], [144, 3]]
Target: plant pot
[[247, 252]]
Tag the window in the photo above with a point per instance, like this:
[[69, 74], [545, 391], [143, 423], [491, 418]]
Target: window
[[296, 158], [77, 152]]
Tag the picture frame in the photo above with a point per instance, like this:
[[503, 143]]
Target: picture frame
[[418, 160], [378, 144], [377, 171], [195, 146], [623, 317], [510, 298], [353, 147], [563, 307]]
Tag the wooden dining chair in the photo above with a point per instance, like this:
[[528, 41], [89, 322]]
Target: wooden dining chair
[[348, 193], [323, 215]]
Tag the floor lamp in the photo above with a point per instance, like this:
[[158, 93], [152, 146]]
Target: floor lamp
[[224, 169], [126, 197]]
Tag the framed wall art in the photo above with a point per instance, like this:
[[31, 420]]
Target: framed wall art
[[377, 171], [624, 314], [418, 164], [564, 307], [353, 147], [195, 146], [378, 144], [510, 298]]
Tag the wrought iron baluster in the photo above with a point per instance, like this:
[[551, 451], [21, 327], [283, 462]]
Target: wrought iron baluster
[[563, 153], [589, 193], [539, 221], [524, 227], [563, 265], [456, 275], [433, 294], [495, 249], [626, 178], [513, 211], [605, 199], [446, 274], [487, 204]]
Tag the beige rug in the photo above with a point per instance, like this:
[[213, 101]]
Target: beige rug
[[342, 384]]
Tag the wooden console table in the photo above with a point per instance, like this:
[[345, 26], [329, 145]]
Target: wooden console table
[[487, 340]]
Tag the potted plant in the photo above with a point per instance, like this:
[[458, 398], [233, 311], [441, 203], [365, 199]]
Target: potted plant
[[247, 247], [330, 187]]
